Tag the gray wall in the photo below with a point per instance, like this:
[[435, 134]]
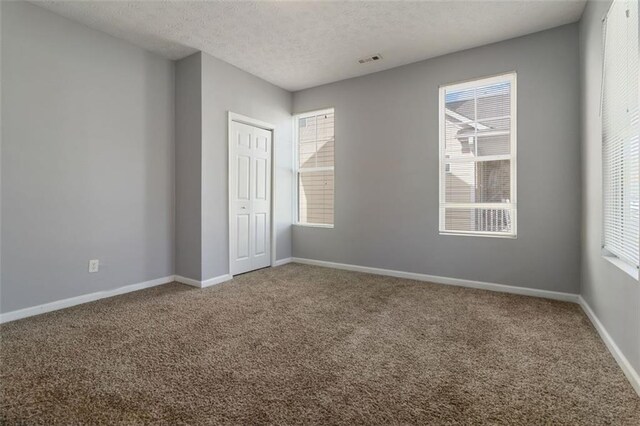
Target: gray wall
[[227, 88], [0, 155], [87, 159], [189, 167], [387, 168], [612, 294], [203, 244]]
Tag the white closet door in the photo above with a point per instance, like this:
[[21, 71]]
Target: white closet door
[[250, 174]]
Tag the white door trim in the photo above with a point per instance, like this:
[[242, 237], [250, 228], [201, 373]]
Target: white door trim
[[239, 118]]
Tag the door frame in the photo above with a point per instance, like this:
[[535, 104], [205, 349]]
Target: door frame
[[243, 119]]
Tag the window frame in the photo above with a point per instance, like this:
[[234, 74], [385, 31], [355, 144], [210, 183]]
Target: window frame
[[511, 77], [296, 169], [624, 265]]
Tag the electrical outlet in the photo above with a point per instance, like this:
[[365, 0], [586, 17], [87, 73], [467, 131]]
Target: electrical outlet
[[94, 265]]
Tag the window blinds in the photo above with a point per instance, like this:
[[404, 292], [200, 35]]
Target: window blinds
[[477, 157], [620, 132], [315, 157]]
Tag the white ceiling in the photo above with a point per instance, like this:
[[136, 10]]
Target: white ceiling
[[296, 45]]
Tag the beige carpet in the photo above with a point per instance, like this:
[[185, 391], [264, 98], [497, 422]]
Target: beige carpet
[[301, 344]]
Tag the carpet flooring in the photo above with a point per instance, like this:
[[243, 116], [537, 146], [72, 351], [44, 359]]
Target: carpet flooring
[[301, 344]]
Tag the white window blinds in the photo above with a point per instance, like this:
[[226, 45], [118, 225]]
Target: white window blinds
[[477, 157], [620, 129], [315, 167]]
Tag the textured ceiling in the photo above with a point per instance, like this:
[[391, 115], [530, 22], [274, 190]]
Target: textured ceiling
[[296, 45]]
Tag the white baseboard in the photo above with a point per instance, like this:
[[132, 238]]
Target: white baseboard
[[281, 262], [216, 280], [91, 297], [187, 281], [524, 291], [205, 283], [623, 362], [85, 298]]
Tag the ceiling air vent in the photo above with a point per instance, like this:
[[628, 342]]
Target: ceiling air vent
[[370, 59]]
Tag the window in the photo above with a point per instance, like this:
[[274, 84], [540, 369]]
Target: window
[[620, 128], [478, 157], [315, 161]]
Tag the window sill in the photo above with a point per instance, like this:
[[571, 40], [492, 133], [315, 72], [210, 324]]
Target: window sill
[[473, 234], [313, 225], [628, 269]]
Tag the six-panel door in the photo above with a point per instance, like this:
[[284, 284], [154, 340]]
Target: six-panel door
[[250, 174]]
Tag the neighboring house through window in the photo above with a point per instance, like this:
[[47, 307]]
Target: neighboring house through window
[[315, 142], [478, 157]]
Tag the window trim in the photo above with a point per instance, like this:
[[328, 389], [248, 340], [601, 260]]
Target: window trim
[[624, 265], [296, 170], [510, 76]]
